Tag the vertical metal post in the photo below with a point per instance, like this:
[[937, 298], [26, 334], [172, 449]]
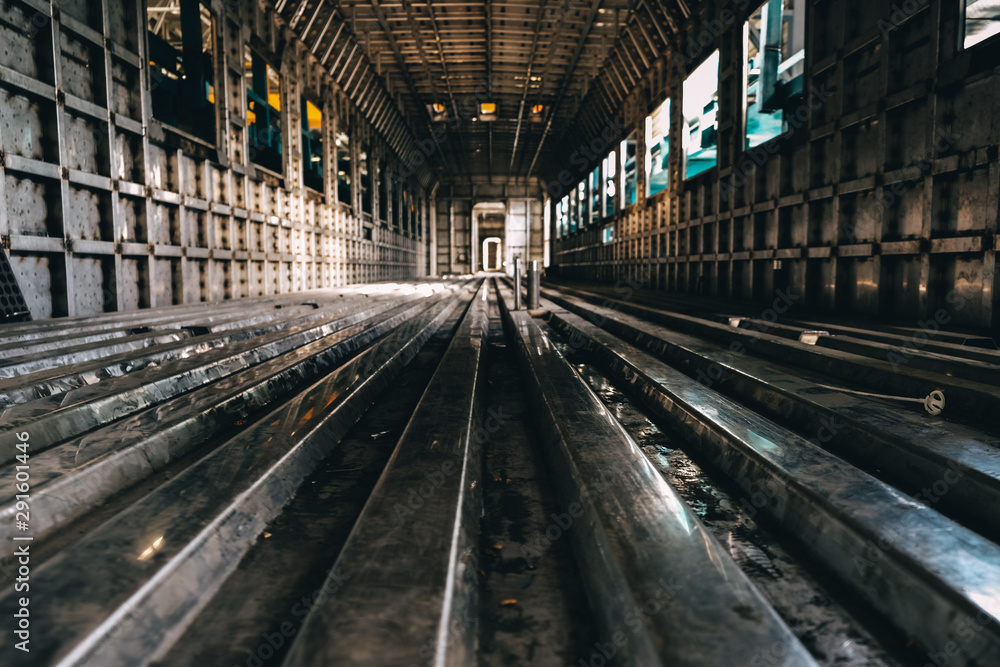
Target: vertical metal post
[[534, 280], [770, 29], [517, 283]]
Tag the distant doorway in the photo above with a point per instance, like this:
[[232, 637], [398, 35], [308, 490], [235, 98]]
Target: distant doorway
[[489, 235], [491, 254]]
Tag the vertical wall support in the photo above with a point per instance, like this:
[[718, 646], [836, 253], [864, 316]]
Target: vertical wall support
[[115, 296], [517, 283], [4, 220], [527, 230], [473, 238], [547, 219], [771, 29], [991, 239], [63, 290], [432, 233], [451, 234]]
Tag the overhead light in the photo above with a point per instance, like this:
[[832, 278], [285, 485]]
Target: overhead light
[[437, 111], [487, 111], [538, 108]]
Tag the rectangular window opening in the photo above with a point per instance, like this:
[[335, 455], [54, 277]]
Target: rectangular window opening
[[182, 66], [629, 173], [411, 207], [263, 111], [610, 166], [383, 192], [657, 149], [701, 102], [394, 195], [312, 146], [574, 210], [562, 217], [406, 210], [366, 180], [595, 194], [980, 21], [344, 178], [774, 68]]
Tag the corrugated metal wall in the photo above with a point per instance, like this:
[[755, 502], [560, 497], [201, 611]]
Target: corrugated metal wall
[[103, 207], [883, 202]]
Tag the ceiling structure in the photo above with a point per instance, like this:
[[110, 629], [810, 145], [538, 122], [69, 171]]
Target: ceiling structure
[[552, 68]]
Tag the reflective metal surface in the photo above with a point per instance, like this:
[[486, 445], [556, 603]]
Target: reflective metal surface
[[413, 549], [928, 574], [664, 591], [154, 563]]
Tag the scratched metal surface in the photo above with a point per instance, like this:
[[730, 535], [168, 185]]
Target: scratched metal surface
[[637, 541], [905, 447], [970, 399], [834, 630], [73, 477], [158, 561], [417, 558], [928, 574]]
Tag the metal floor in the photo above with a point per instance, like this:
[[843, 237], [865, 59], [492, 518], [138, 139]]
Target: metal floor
[[416, 474]]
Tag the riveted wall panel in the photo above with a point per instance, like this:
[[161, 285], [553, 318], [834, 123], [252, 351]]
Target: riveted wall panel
[[881, 199], [107, 206]]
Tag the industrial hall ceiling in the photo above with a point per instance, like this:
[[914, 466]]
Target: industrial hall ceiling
[[488, 88]]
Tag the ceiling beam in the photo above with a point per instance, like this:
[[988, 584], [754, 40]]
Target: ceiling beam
[[329, 49], [638, 48], [419, 40], [594, 7], [527, 84], [309, 25], [422, 109], [447, 77], [322, 33]]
